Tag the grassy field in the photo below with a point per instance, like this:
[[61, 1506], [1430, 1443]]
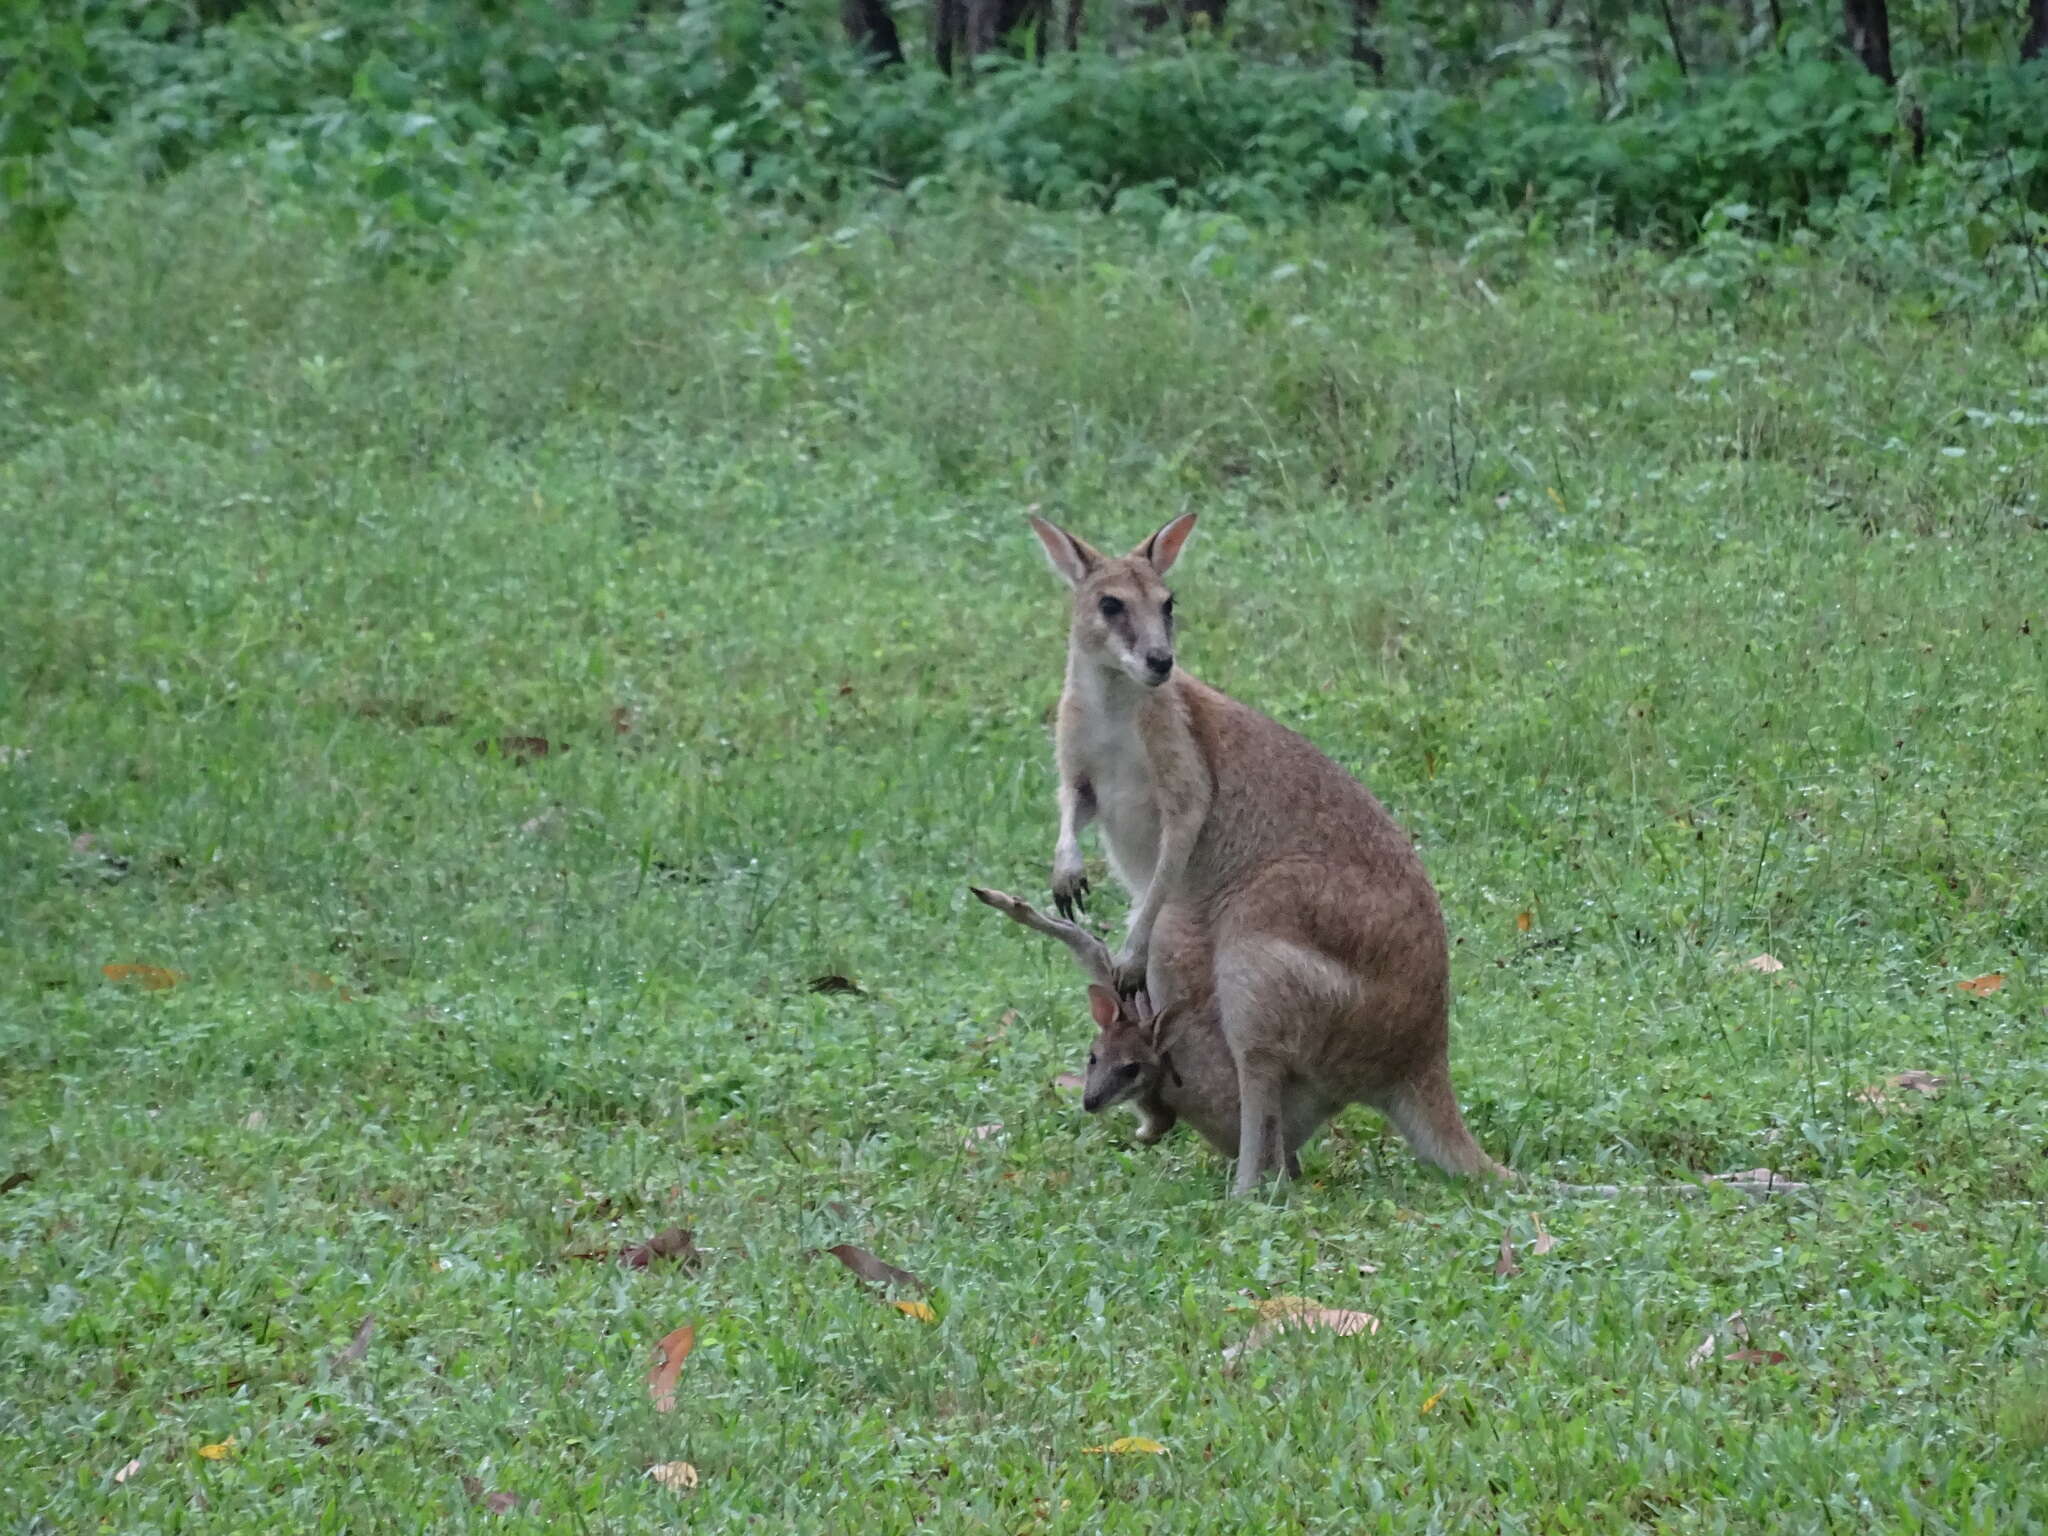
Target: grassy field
[[1680, 629]]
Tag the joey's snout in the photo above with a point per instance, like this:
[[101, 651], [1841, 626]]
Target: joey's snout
[[1158, 664]]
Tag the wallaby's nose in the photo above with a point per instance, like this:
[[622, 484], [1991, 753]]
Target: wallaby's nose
[[1159, 663], [1092, 1102]]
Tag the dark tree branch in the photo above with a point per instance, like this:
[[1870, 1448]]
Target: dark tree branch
[[1364, 15], [1869, 28], [1677, 43], [872, 30]]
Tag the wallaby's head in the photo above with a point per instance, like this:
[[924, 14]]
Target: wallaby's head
[[1123, 613], [1125, 1057]]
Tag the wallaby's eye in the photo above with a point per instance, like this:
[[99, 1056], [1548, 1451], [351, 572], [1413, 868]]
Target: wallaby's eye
[[1128, 1069], [1166, 610], [1111, 607], [1091, 1058]]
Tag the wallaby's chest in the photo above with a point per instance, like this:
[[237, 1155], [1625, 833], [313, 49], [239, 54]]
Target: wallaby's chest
[[1110, 758]]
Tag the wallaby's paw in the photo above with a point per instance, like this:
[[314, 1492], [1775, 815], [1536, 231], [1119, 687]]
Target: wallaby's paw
[[1069, 891], [1130, 973]]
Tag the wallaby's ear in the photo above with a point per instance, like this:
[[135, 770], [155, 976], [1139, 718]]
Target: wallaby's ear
[[1102, 1003], [1069, 556], [1163, 548], [1160, 1027]]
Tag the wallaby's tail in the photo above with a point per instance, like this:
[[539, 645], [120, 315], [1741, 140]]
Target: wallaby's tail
[[1426, 1114]]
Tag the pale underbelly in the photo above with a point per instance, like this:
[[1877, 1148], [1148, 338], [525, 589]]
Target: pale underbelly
[[1130, 838]]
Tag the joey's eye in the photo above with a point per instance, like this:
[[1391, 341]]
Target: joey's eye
[[1111, 607]]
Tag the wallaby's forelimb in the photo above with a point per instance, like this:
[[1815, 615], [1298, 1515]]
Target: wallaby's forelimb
[[1069, 882], [1177, 835]]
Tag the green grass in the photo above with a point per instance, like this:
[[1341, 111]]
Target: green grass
[[1695, 632]]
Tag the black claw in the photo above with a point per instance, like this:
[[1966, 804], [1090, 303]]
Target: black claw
[[1064, 907]]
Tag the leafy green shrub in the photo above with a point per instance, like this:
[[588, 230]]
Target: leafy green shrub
[[407, 123]]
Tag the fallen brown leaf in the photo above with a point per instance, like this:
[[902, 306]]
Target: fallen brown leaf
[[1524, 921], [15, 1180], [678, 1243], [358, 1346], [1703, 1352], [1982, 986], [151, 978], [676, 1476], [669, 1356], [1544, 1241], [496, 1500], [517, 749], [128, 1471], [1756, 1357], [1926, 1084], [1505, 1266], [1284, 1314], [920, 1310], [1768, 964], [833, 983], [872, 1269], [981, 1133]]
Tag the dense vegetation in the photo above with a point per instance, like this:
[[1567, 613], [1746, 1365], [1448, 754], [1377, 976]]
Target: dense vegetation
[[408, 122]]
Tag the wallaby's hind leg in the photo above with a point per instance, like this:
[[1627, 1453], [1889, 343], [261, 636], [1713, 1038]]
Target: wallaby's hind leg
[[1261, 1148], [1425, 1112]]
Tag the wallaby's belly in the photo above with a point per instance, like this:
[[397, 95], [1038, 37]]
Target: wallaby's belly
[[1129, 815]]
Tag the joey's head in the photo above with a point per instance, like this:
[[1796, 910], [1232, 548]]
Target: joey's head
[[1125, 1057], [1123, 612]]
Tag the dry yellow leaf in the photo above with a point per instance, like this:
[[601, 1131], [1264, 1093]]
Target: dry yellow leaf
[[1524, 921], [920, 1310], [1982, 986], [1128, 1445], [220, 1450], [676, 1476], [1429, 1403]]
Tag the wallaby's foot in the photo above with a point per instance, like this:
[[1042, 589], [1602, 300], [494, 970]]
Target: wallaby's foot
[[1293, 1166], [1069, 888], [1130, 972], [1154, 1121]]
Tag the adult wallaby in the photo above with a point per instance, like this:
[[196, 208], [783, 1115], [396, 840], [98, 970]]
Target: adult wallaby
[[1329, 969]]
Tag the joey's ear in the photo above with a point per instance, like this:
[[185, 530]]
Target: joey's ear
[[1163, 548], [1102, 1004], [1070, 556], [1162, 1024]]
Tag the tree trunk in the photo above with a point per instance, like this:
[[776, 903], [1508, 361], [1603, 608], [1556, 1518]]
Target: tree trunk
[[2036, 44], [969, 28], [872, 30], [1869, 28], [1364, 15]]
